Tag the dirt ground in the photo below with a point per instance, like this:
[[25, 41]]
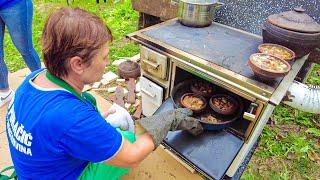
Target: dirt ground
[[158, 165]]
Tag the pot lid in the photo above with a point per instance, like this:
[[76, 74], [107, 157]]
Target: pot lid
[[296, 20]]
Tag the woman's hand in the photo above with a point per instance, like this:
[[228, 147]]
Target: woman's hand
[[108, 112], [159, 125], [119, 117]]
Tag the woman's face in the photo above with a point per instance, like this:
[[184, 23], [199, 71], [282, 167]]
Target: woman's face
[[95, 70]]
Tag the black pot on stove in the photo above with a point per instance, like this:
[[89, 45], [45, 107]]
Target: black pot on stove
[[293, 29]]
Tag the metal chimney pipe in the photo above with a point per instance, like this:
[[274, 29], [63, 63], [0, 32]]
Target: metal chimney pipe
[[303, 97]]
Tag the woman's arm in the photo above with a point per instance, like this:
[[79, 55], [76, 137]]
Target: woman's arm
[[157, 127], [131, 154]]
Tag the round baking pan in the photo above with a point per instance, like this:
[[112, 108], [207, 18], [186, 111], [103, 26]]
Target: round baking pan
[[226, 120], [197, 96], [228, 111]]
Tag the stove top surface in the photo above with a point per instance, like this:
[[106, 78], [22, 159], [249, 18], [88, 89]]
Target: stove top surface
[[219, 44]]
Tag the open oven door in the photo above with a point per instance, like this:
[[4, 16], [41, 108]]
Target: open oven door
[[210, 153]]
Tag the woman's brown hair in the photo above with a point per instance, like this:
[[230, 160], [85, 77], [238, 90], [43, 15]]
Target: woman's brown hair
[[72, 32]]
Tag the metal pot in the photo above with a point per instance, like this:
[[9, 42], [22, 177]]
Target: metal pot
[[197, 13]]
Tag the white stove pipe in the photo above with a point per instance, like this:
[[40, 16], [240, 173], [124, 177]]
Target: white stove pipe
[[303, 97]]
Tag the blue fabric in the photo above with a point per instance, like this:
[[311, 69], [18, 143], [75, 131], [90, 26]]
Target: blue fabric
[[18, 19], [54, 135], [7, 3]]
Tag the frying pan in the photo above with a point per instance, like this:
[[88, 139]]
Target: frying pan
[[184, 87]]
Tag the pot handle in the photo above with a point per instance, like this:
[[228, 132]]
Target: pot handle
[[219, 4], [299, 9], [152, 64]]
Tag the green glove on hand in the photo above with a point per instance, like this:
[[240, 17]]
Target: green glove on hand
[[159, 125]]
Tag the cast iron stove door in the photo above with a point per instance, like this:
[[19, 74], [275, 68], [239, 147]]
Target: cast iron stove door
[[211, 153]]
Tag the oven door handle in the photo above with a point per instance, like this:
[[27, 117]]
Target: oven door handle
[[148, 93], [249, 115], [153, 65]]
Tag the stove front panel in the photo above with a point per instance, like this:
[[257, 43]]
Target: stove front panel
[[211, 153], [219, 44]]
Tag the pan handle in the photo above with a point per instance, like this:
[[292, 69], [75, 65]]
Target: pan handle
[[153, 65]]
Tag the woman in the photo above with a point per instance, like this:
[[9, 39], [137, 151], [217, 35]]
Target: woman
[[17, 16], [55, 131]]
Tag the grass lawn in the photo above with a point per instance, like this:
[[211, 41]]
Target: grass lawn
[[289, 146]]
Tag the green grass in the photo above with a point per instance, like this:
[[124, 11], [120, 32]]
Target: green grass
[[119, 16], [292, 144], [287, 150], [314, 76]]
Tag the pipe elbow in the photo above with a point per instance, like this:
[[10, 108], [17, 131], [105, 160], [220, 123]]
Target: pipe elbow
[[303, 97]]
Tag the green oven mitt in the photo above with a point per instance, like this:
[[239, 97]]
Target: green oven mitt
[[159, 125]]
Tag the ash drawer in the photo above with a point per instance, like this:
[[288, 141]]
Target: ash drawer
[[154, 63], [152, 96]]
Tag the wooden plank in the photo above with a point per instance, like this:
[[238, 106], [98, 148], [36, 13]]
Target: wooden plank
[[165, 9]]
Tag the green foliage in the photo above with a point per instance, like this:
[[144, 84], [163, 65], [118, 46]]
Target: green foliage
[[290, 141], [132, 109], [112, 68], [128, 50], [302, 165], [283, 114], [314, 77], [118, 15], [248, 176], [121, 19], [314, 131]]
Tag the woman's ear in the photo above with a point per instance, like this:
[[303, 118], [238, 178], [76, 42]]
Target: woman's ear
[[76, 65]]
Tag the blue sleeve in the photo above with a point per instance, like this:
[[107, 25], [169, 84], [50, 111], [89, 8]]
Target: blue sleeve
[[91, 138]]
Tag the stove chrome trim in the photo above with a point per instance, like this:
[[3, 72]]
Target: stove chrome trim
[[254, 86], [253, 123], [260, 89], [282, 89], [221, 79]]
